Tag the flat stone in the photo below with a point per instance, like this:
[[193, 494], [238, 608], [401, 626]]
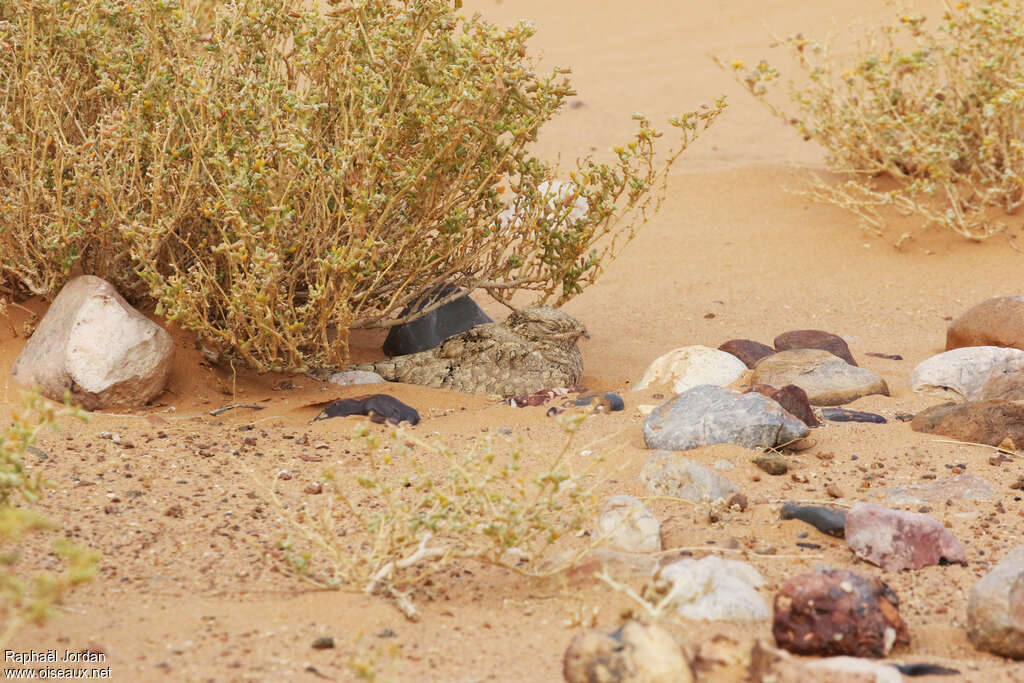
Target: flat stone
[[975, 373], [837, 612], [708, 415], [747, 350], [347, 378], [844, 415], [827, 379], [625, 524], [998, 321], [825, 519], [691, 366], [455, 317], [93, 344], [958, 487], [772, 463], [712, 589], [635, 653], [814, 339], [897, 540], [670, 474], [995, 608], [988, 422]]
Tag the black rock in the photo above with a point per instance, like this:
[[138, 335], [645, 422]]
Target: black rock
[[843, 415], [926, 670], [824, 519], [378, 407], [455, 317]]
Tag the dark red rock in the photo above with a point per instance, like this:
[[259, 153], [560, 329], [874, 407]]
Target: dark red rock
[[814, 339], [837, 612], [792, 398], [988, 422], [747, 350], [897, 540], [994, 322]]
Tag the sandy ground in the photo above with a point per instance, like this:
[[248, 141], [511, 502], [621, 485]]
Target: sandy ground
[[187, 596]]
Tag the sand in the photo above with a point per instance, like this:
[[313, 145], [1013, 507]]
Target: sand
[[735, 252]]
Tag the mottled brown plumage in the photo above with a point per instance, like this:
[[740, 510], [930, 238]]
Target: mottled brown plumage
[[533, 349]]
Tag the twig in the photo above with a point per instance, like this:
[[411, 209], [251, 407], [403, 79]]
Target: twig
[[232, 406]]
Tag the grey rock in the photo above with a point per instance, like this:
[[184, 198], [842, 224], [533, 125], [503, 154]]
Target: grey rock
[[670, 474], [627, 525], [897, 540], [995, 608], [347, 378], [712, 589], [691, 366], [635, 653], [827, 379], [973, 373], [708, 415], [93, 344], [958, 487]]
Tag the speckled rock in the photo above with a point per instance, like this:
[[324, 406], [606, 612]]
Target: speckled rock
[[628, 526], [995, 608], [958, 487], [635, 653], [708, 415], [998, 321], [973, 373], [347, 378], [670, 474], [827, 379], [712, 589], [896, 540], [691, 366], [814, 339]]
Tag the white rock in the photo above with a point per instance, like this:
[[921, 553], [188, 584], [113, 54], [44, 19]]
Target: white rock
[[627, 525], [883, 673], [713, 589], [691, 366], [92, 343], [556, 192], [972, 373], [350, 377]]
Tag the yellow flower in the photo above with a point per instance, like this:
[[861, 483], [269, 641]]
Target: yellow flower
[[736, 63]]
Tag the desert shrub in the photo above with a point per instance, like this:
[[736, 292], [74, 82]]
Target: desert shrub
[[274, 175], [398, 530], [25, 599], [927, 120]]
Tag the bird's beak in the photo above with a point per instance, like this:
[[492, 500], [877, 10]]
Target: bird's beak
[[585, 335]]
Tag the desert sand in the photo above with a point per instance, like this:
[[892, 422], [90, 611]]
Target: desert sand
[[736, 252]]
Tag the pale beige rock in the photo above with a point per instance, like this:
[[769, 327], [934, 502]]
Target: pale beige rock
[[636, 653], [827, 379], [690, 366], [93, 344], [627, 525], [972, 373]]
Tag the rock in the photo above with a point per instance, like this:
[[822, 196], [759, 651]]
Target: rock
[[350, 377], [609, 402], [378, 407], [627, 525], [712, 589], [988, 422], [772, 463], [995, 608], [844, 415], [769, 664], [827, 379], [92, 343], [896, 540], [455, 317], [747, 350], [707, 415], [825, 519], [837, 612], [670, 474], [994, 322], [974, 373], [691, 366], [814, 339], [957, 487], [635, 653], [795, 401]]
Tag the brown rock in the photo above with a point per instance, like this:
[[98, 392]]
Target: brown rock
[[795, 401], [838, 612], [814, 339], [747, 350], [988, 422], [994, 322], [636, 653], [897, 540], [93, 344]]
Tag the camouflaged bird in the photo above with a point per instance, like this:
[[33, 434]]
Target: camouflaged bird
[[533, 349]]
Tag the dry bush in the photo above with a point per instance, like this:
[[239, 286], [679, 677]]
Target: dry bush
[[25, 599], [274, 176], [927, 120], [397, 530]]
